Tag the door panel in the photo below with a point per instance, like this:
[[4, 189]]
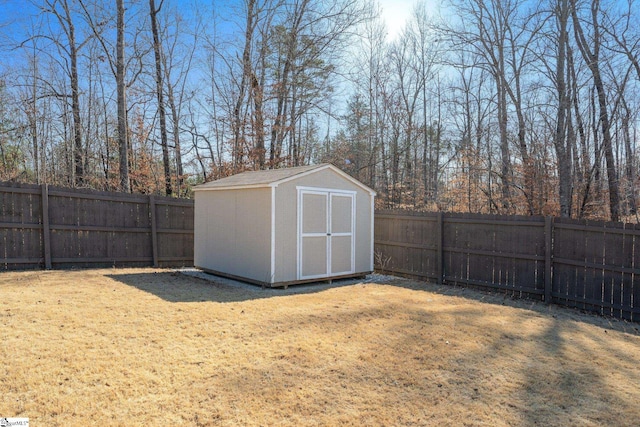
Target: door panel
[[341, 230], [314, 208], [341, 213], [341, 255], [325, 227], [313, 251], [314, 256]]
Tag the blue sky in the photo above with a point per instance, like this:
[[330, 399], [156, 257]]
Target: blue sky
[[14, 12]]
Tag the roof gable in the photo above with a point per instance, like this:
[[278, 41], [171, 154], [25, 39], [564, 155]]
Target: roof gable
[[273, 177]]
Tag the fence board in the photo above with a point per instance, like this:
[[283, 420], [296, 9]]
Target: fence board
[[612, 280], [635, 278], [492, 252], [454, 263], [564, 246], [593, 287], [174, 232], [600, 272], [20, 243], [627, 277]]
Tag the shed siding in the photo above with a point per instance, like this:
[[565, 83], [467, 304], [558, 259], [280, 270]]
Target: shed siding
[[234, 232], [286, 221]]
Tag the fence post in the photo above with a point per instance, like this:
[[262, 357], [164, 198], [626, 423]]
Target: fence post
[[439, 248], [46, 229], [154, 232], [548, 248]]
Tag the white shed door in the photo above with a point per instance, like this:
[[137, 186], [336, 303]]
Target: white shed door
[[326, 243]]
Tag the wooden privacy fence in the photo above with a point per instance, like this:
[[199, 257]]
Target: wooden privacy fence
[[588, 265], [43, 226]]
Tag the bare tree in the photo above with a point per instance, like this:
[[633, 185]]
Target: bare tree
[[122, 102], [98, 20], [486, 36], [561, 13], [157, 50], [590, 50], [238, 121], [61, 11]]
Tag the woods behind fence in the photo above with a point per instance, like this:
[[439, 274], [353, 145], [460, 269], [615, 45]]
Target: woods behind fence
[[584, 264], [42, 226]]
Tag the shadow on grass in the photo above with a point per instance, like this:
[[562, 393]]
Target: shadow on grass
[[197, 286], [555, 383], [175, 286], [507, 299]]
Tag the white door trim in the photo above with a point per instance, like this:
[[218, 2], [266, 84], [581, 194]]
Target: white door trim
[[273, 236]]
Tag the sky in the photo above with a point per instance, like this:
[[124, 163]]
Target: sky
[[395, 13], [17, 16]]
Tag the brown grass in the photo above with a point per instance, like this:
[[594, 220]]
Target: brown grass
[[152, 347]]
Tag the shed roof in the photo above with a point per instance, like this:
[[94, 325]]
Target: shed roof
[[272, 177]]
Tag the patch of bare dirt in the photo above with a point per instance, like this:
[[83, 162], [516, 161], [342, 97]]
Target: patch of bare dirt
[[156, 347]]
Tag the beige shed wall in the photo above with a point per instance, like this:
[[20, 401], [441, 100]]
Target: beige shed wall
[[233, 232], [286, 222]]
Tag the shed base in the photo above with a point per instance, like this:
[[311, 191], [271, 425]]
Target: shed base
[[284, 285]]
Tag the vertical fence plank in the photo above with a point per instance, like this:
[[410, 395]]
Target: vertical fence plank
[[154, 230], [46, 231], [548, 250], [613, 280], [634, 289], [439, 249], [593, 287], [627, 290]]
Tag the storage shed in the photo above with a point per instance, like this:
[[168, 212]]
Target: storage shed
[[285, 226]]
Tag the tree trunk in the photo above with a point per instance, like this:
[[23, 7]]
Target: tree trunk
[[257, 95], [277, 131], [238, 124], [562, 153], [505, 156], [122, 104], [177, 147], [630, 170], [32, 117], [157, 50], [592, 59], [78, 149]]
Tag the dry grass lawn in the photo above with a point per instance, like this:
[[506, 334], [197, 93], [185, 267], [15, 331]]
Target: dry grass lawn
[[153, 347]]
